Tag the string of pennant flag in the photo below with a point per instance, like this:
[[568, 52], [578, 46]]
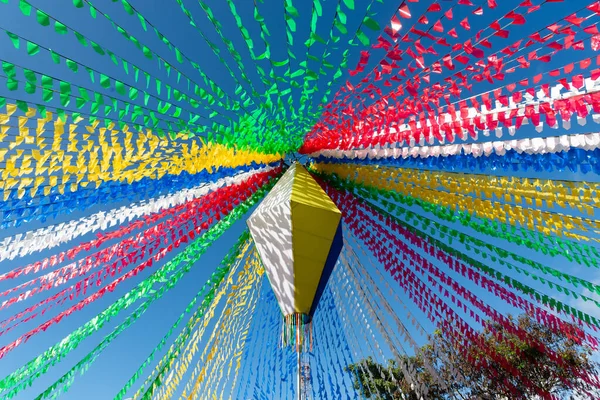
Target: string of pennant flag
[[457, 140]]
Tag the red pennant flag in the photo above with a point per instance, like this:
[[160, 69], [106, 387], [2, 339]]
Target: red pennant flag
[[396, 24], [579, 45], [555, 46], [573, 19], [462, 59], [517, 19], [592, 29], [404, 11], [465, 24], [486, 43], [595, 7], [563, 81], [503, 33], [595, 42], [583, 64], [569, 68]]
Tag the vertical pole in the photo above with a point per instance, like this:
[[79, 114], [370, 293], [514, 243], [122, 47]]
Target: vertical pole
[[299, 378]]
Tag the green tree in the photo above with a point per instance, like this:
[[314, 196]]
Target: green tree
[[486, 375], [389, 383]]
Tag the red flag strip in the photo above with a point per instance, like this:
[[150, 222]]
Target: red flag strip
[[224, 200], [454, 122], [359, 214], [380, 111], [436, 309]]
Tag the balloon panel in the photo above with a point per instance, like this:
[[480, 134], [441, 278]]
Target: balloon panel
[[293, 230]]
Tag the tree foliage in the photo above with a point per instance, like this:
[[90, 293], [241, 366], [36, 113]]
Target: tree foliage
[[507, 363]]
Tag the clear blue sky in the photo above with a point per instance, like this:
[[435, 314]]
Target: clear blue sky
[[117, 363]]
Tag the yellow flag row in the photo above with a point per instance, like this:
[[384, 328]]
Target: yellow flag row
[[100, 155], [431, 180], [220, 344], [179, 365], [21, 132], [388, 178], [228, 344], [528, 192]]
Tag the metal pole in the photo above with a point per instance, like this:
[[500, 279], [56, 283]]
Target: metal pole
[[299, 377]]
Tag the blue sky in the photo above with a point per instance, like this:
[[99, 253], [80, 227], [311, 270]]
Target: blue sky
[[117, 363]]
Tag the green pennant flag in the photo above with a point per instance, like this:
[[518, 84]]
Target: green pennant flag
[[133, 93], [104, 81], [42, 18], [55, 57], [30, 87], [29, 75], [371, 23], [127, 7], [15, 39], [9, 69], [41, 110], [65, 93], [12, 84], [22, 105], [47, 95], [97, 48], [73, 66], [60, 28], [362, 37], [120, 88], [25, 7]]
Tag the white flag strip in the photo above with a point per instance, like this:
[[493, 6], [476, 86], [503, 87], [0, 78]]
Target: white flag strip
[[538, 145], [51, 236], [556, 92]]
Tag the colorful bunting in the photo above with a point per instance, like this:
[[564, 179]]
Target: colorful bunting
[[145, 143]]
